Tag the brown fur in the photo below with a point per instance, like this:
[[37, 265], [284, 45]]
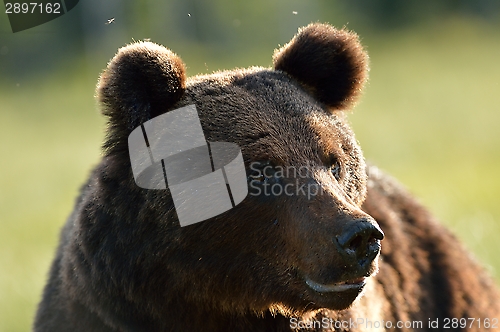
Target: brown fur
[[334, 67], [125, 264]]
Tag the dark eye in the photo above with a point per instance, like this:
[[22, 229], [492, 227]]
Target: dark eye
[[260, 171], [259, 177], [335, 169]]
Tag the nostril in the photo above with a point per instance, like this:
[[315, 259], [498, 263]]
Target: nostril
[[356, 242]]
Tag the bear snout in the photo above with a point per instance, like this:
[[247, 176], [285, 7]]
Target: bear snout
[[359, 242]]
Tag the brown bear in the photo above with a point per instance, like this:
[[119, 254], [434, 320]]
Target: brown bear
[[357, 254]]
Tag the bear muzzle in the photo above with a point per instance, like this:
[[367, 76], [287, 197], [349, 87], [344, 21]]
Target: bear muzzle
[[358, 246]]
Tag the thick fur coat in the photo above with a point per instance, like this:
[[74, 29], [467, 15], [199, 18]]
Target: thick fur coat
[[362, 251]]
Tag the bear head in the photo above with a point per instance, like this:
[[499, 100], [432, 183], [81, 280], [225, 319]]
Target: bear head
[[291, 251]]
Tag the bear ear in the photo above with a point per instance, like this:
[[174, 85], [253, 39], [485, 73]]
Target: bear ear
[[330, 63], [143, 80]]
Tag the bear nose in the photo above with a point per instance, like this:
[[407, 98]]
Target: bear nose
[[359, 243]]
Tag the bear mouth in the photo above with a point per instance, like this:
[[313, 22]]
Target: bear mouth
[[355, 284]]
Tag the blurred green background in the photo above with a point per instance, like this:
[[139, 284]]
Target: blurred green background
[[429, 115]]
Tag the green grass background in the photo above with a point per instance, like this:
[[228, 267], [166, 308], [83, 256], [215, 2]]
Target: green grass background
[[429, 117]]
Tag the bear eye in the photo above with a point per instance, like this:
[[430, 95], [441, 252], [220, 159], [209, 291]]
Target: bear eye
[[259, 177], [335, 170], [261, 171]]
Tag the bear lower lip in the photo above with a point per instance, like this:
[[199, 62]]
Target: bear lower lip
[[337, 287]]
